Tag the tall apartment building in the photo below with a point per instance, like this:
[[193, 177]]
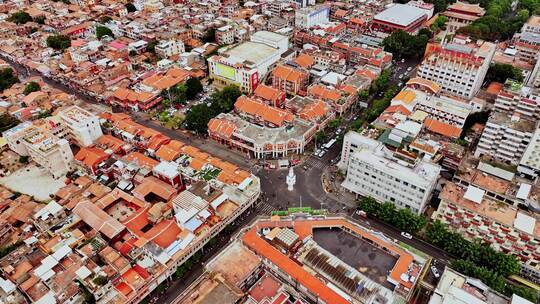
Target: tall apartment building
[[534, 77], [515, 98], [308, 17], [527, 42], [505, 137], [459, 69], [83, 126], [390, 176], [530, 162], [48, 151]]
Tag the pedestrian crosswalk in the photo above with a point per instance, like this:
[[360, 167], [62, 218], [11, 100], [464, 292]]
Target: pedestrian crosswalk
[[314, 163], [265, 208]]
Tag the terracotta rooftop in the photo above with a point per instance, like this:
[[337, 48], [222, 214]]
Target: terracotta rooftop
[[442, 128]]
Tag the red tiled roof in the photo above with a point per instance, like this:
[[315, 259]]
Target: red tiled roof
[[442, 128]]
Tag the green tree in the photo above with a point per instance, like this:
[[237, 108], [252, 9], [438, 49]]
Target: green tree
[[336, 122], [320, 136], [7, 79], [20, 17], [40, 19], [151, 47], [7, 122], [105, 19], [363, 95], [32, 86], [100, 280], [197, 118], [103, 31], [404, 45], [500, 72], [193, 87], [439, 23], [209, 35], [130, 7], [58, 42]]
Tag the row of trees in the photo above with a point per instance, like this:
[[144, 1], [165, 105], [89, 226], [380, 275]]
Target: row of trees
[[493, 279], [497, 24], [403, 219], [404, 45], [198, 116]]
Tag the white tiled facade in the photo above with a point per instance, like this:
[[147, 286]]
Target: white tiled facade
[[83, 126], [373, 172], [505, 138], [456, 72]]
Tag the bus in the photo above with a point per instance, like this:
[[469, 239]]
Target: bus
[[329, 144]]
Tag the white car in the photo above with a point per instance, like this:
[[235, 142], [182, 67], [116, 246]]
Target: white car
[[409, 69], [321, 154], [435, 271], [406, 235]]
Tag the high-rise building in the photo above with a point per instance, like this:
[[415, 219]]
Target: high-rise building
[[311, 16], [390, 176], [459, 68]]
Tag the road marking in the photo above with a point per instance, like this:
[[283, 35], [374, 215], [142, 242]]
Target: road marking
[[315, 163]]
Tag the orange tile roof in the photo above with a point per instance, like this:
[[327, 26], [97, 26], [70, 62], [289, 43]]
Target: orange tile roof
[[405, 96], [494, 88], [91, 156], [141, 160], [267, 93], [314, 110], [157, 141], [431, 85], [170, 151], [304, 60], [222, 127], [178, 73], [164, 233], [295, 271], [257, 109], [153, 185], [190, 150], [288, 73], [197, 164], [398, 109], [442, 128], [160, 82], [114, 196], [110, 142], [324, 93]]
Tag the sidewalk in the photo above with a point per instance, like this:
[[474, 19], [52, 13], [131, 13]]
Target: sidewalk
[[331, 181]]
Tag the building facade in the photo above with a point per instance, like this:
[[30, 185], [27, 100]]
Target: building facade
[[83, 126]]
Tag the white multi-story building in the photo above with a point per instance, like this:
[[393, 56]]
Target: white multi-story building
[[82, 125], [505, 137], [244, 64], [308, 17], [389, 176], [459, 69], [168, 48], [354, 142], [530, 162], [225, 35], [534, 77], [50, 152], [515, 98]]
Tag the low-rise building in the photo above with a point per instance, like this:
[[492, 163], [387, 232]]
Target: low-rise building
[[168, 48], [461, 14], [290, 80], [50, 152], [403, 17], [83, 126]]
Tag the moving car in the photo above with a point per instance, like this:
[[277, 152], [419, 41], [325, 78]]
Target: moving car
[[406, 235]]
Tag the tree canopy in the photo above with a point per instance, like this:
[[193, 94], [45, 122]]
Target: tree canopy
[[404, 45], [7, 79], [20, 17], [130, 7], [151, 46], [58, 42], [198, 116], [404, 219], [500, 72], [32, 86], [103, 31], [7, 122], [193, 87]]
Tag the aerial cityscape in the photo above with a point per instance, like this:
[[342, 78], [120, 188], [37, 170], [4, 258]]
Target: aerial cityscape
[[270, 151]]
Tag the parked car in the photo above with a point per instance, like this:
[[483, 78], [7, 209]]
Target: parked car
[[409, 69], [435, 271], [406, 235]]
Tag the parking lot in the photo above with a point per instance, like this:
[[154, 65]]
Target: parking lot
[[357, 253]]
